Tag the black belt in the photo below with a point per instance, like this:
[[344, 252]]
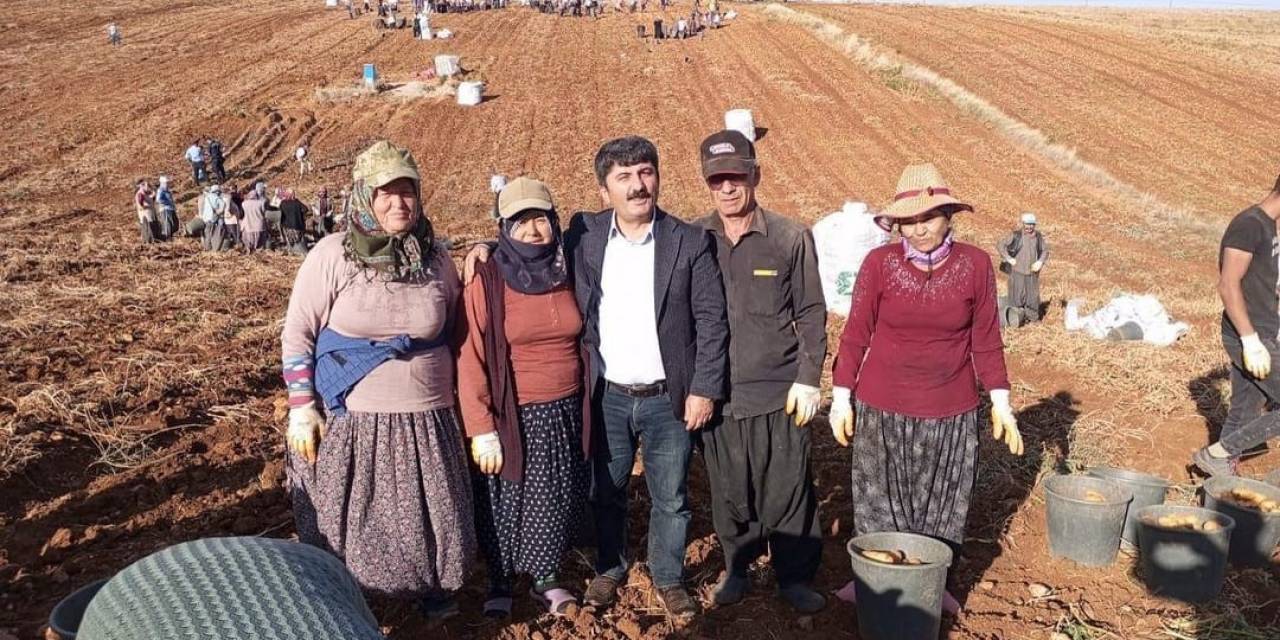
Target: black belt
[[638, 390]]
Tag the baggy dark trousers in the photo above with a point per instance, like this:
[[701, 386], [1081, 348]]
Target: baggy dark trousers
[[1248, 422], [1024, 294], [762, 494]]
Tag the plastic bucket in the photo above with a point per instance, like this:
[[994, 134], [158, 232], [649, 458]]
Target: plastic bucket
[[195, 226], [741, 120], [1183, 564], [470, 93], [65, 618], [1257, 533], [1081, 530], [1147, 490], [370, 75], [447, 65], [899, 601]]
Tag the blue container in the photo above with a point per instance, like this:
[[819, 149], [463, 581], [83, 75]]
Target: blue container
[[370, 75], [65, 618]]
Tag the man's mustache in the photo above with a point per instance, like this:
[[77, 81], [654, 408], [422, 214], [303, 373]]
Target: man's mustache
[[638, 195]]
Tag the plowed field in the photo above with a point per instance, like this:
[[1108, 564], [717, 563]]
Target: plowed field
[[137, 407]]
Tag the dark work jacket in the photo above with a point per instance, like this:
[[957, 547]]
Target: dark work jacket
[[693, 328], [293, 215]]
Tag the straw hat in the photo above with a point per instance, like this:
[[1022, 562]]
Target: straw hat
[[920, 189]]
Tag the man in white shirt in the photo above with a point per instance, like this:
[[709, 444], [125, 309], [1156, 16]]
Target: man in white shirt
[[195, 156], [655, 323]]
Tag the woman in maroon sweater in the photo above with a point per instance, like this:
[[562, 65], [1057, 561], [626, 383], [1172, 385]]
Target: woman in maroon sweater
[[923, 330]]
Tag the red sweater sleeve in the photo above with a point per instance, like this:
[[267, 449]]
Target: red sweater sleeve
[[858, 329], [474, 402], [985, 340]]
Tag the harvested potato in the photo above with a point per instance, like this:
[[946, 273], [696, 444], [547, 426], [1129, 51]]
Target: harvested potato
[[1250, 499], [1185, 522], [893, 556], [1211, 525], [1094, 496]]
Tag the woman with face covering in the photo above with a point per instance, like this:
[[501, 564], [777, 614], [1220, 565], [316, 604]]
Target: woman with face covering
[[923, 331], [520, 384], [376, 461]]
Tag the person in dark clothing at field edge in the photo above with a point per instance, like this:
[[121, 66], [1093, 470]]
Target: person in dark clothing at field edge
[[757, 456], [1247, 280]]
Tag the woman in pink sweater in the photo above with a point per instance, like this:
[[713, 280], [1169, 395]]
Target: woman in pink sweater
[[382, 480], [923, 331]]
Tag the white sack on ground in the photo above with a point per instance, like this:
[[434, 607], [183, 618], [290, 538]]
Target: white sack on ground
[[1145, 311]]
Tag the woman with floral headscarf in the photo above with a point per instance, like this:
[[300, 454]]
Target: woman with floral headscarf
[[380, 479], [520, 386]]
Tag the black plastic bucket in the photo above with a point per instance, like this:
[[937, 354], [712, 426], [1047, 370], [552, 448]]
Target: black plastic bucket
[[1081, 530], [1147, 490], [899, 601], [1183, 564], [1257, 533], [65, 618]]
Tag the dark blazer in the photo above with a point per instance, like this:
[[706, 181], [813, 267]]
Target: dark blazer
[[693, 327]]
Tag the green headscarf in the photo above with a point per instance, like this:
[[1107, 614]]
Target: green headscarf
[[391, 256]]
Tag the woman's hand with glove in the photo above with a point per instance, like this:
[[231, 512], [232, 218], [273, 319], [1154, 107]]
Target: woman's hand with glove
[[1004, 426], [306, 430], [486, 451], [841, 416]]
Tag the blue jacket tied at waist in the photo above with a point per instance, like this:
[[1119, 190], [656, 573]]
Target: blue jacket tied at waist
[[342, 362]]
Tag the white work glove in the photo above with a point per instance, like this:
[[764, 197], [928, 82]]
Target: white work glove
[[1003, 425], [1013, 262], [486, 451], [841, 416], [306, 430], [802, 402], [1035, 266], [1257, 360]]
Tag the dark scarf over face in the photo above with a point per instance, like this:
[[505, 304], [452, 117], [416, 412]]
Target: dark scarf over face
[[531, 268], [391, 256]]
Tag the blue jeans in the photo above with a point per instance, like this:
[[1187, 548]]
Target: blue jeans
[[667, 448]]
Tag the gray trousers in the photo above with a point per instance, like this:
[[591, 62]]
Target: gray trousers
[[1024, 295], [762, 495], [1248, 423]]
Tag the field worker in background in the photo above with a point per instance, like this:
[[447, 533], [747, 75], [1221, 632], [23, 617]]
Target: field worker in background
[[211, 212], [195, 156], [923, 331], [304, 165], [1023, 254], [253, 227], [231, 218], [293, 223], [216, 159], [323, 212], [497, 182], [1247, 281], [166, 210], [113, 34], [145, 206], [380, 478], [521, 388], [757, 452]]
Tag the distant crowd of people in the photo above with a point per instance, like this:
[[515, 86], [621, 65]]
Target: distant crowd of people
[[226, 217]]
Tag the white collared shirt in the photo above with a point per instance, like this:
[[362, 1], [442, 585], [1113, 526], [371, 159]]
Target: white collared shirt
[[628, 317]]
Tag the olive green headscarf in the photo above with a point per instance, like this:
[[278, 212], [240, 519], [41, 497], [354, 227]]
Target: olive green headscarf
[[391, 256]]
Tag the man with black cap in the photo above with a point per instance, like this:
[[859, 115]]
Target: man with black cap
[[757, 451]]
